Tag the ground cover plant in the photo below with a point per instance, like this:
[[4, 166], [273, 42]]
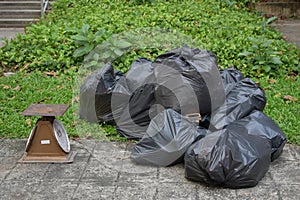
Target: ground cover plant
[[48, 56]]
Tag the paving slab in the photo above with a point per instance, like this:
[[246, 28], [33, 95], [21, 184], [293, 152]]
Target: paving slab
[[9, 33], [54, 190], [94, 175], [291, 30]]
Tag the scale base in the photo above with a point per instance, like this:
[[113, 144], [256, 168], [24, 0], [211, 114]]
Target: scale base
[[68, 158]]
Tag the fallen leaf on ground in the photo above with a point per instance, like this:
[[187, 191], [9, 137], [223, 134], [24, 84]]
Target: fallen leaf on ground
[[293, 74], [43, 100], [290, 98], [272, 81], [278, 95], [28, 122], [5, 87], [76, 99], [52, 73], [17, 88], [74, 123], [7, 74]]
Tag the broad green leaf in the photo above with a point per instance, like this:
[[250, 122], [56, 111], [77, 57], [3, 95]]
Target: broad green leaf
[[123, 44], [267, 68], [105, 54], [256, 67], [85, 29], [100, 33], [270, 20], [96, 56], [88, 48], [90, 64], [83, 50], [276, 60], [80, 38], [118, 52], [245, 53], [261, 62], [79, 52]]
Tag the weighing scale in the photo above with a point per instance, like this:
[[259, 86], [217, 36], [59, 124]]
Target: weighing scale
[[48, 141]]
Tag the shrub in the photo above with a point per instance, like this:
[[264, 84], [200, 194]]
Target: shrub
[[216, 25]]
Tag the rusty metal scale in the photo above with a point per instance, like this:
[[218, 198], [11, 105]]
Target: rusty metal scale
[[48, 141]]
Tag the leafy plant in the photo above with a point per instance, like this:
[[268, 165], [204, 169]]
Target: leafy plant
[[262, 57], [86, 40], [90, 32], [214, 25], [107, 51]]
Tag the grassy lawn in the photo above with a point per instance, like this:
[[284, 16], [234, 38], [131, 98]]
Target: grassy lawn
[[23, 89], [47, 67]]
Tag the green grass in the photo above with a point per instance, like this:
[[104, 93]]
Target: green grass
[[19, 91], [236, 36], [286, 113]]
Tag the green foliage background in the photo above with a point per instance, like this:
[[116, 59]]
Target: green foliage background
[[224, 27], [238, 37]]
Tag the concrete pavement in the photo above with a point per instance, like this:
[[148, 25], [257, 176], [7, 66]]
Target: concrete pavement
[[290, 30], [9, 33], [103, 170]]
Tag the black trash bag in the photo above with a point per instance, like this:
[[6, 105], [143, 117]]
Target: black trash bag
[[230, 77], [95, 95], [166, 140], [139, 73], [230, 158], [257, 123], [137, 115], [120, 98], [188, 81], [245, 97], [134, 114]]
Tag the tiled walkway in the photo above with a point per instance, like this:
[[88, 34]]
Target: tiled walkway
[[103, 170]]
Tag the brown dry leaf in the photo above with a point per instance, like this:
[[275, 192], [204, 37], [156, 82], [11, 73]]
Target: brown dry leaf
[[74, 123], [267, 88], [5, 87], [12, 97], [76, 99], [272, 81], [17, 88], [293, 74], [89, 136], [290, 98], [45, 99], [28, 122], [25, 66], [52, 73]]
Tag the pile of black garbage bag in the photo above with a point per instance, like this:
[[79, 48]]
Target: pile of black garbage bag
[[182, 109]]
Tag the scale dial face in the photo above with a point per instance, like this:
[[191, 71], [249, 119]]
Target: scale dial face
[[61, 136]]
